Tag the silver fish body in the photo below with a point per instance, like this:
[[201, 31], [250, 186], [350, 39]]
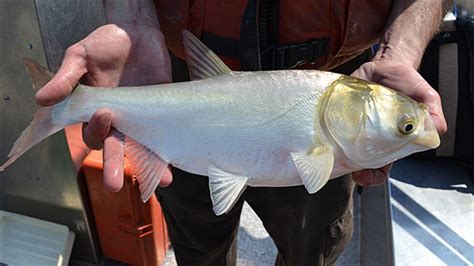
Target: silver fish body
[[244, 122], [275, 128]]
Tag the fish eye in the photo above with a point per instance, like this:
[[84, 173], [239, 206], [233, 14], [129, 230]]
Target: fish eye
[[407, 125]]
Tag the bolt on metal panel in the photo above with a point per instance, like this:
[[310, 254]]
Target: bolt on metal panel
[[43, 182]]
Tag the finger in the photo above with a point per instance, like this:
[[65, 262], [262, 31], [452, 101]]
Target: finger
[[98, 128], [432, 99], [440, 123], [113, 161], [436, 112], [72, 69], [367, 177], [372, 177], [167, 178], [386, 169], [364, 72]]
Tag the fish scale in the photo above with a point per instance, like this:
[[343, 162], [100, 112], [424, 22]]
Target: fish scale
[[271, 128]]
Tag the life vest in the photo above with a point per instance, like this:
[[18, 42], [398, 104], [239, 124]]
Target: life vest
[[297, 33]]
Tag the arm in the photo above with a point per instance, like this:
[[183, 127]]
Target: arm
[[130, 52], [411, 25], [139, 12]]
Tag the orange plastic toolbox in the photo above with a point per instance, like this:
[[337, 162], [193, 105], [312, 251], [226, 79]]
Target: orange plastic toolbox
[[129, 230]]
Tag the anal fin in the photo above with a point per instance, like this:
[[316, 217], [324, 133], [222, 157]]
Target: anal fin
[[147, 165], [314, 169], [225, 189]]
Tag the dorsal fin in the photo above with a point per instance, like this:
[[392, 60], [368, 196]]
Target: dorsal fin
[[202, 62]]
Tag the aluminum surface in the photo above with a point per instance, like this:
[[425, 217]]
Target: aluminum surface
[[42, 184], [376, 237], [433, 211], [64, 22]]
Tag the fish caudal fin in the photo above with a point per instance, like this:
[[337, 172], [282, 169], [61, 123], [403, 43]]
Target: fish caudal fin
[[40, 128], [225, 189], [148, 167], [39, 74]]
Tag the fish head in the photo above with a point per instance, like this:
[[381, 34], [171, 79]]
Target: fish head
[[374, 125]]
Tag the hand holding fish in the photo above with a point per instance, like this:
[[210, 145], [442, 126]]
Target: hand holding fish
[[267, 128], [407, 80], [109, 57]]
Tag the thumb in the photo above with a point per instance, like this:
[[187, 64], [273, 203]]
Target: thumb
[[61, 85]]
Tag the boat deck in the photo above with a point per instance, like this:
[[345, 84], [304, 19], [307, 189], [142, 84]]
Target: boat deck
[[430, 219]]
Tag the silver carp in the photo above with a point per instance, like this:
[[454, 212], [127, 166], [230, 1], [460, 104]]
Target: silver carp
[[266, 128]]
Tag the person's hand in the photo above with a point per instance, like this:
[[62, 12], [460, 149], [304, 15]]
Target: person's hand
[[405, 79], [110, 56]]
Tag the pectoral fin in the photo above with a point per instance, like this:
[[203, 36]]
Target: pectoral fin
[[225, 189], [147, 165], [315, 168]]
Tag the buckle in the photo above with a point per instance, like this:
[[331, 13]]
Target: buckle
[[289, 56]]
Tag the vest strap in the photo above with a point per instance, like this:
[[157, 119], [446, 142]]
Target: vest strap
[[291, 55], [258, 47]]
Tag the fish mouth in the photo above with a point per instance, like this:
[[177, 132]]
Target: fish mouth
[[430, 137], [429, 140]]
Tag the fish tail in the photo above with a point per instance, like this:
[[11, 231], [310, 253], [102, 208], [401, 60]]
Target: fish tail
[[39, 74], [40, 128]]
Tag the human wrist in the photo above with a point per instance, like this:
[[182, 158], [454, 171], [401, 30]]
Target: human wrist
[[410, 27], [131, 13], [407, 56]]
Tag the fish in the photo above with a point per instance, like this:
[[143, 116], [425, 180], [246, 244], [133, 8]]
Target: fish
[[263, 128]]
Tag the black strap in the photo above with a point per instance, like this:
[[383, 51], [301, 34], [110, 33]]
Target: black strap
[[464, 148], [467, 28], [268, 23], [249, 45], [271, 57], [292, 55], [258, 46], [275, 56]]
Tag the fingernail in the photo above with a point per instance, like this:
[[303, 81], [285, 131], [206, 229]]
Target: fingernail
[[104, 119]]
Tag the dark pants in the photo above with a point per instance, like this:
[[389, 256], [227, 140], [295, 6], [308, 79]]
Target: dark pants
[[307, 229]]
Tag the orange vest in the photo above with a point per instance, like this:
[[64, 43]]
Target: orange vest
[[350, 27]]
